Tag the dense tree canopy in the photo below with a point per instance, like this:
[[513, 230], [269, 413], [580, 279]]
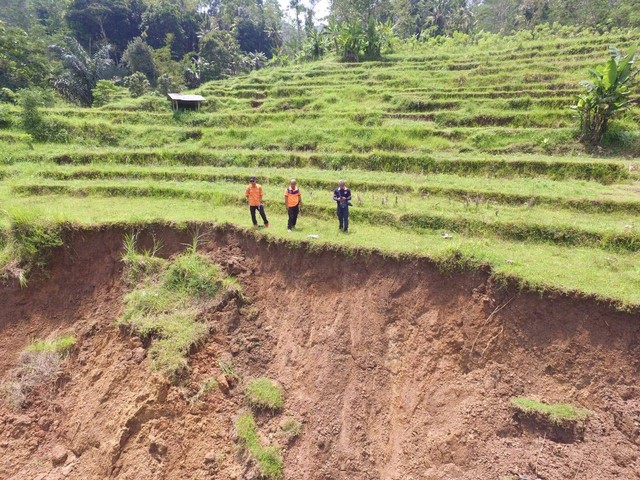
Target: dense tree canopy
[[23, 61], [185, 42], [105, 21]]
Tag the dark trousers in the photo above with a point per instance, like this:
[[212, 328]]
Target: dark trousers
[[343, 217], [260, 209], [293, 216]]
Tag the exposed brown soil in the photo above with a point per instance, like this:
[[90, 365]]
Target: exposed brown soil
[[397, 371]]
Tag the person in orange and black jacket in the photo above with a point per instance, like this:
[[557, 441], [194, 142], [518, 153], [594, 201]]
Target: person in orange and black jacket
[[342, 196], [254, 194], [293, 202]]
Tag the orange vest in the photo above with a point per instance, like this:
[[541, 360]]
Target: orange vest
[[254, 194], [292, 197]]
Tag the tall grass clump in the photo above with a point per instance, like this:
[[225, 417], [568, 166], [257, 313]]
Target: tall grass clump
[[168, 302], [39, 364], [27, 243], [141, 262], [264, 394], [268, 458]]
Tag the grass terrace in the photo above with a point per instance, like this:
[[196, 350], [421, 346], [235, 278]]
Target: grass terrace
[[473, 141]]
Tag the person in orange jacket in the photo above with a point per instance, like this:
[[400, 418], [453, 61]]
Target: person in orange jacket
[[293, 202], [254, 194]]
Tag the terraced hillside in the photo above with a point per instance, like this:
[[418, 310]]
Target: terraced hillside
[[473, 141]]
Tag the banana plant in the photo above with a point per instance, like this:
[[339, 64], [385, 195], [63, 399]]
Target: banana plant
[[607, 94], [316, 45], [332, 32], [351, 40]]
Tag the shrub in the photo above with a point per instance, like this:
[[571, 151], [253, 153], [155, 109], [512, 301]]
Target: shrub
[[168, 84], [139, 58], [13, 394], [30, 115], [106, 91], [36, 124], [264, 394], [8, 96], [6, 116], [137, 84]]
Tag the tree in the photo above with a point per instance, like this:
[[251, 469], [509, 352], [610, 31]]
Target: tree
[[297, 8], [81, 70], [255, 24], [219, 55], [177, 19], [360, 10], [116, 22], [606, 95], [446, 16], [23, 61], [139, 58], [433, 17], [533, 12], [496, 15], [51, 15]]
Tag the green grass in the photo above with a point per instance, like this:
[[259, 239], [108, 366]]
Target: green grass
[[470, 137], [61, 345], [27, 241], [611, 277], [264, 394], [474, 215], [578, 194], [292, 428], [556, 413], [167, 303], [268, 458]]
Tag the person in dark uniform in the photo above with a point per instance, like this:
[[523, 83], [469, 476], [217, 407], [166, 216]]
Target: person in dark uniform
[[342, 196]]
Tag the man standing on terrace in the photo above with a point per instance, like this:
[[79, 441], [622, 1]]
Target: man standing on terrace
[[293, 202], [254, 194], [342, 196]]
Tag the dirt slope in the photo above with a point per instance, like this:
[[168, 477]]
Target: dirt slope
[[398, 372]]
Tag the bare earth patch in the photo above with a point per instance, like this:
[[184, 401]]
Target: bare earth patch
[[391, 369]]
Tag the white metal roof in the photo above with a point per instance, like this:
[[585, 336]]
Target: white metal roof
[[186, 98]]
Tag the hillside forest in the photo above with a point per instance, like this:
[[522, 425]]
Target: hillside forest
[[84, 49]]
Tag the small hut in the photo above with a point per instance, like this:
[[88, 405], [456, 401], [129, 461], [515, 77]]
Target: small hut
[[185, 102]]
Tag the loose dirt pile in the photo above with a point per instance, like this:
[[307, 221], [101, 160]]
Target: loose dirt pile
[[396, 370]]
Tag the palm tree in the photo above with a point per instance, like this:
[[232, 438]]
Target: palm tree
[[82, 70]]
